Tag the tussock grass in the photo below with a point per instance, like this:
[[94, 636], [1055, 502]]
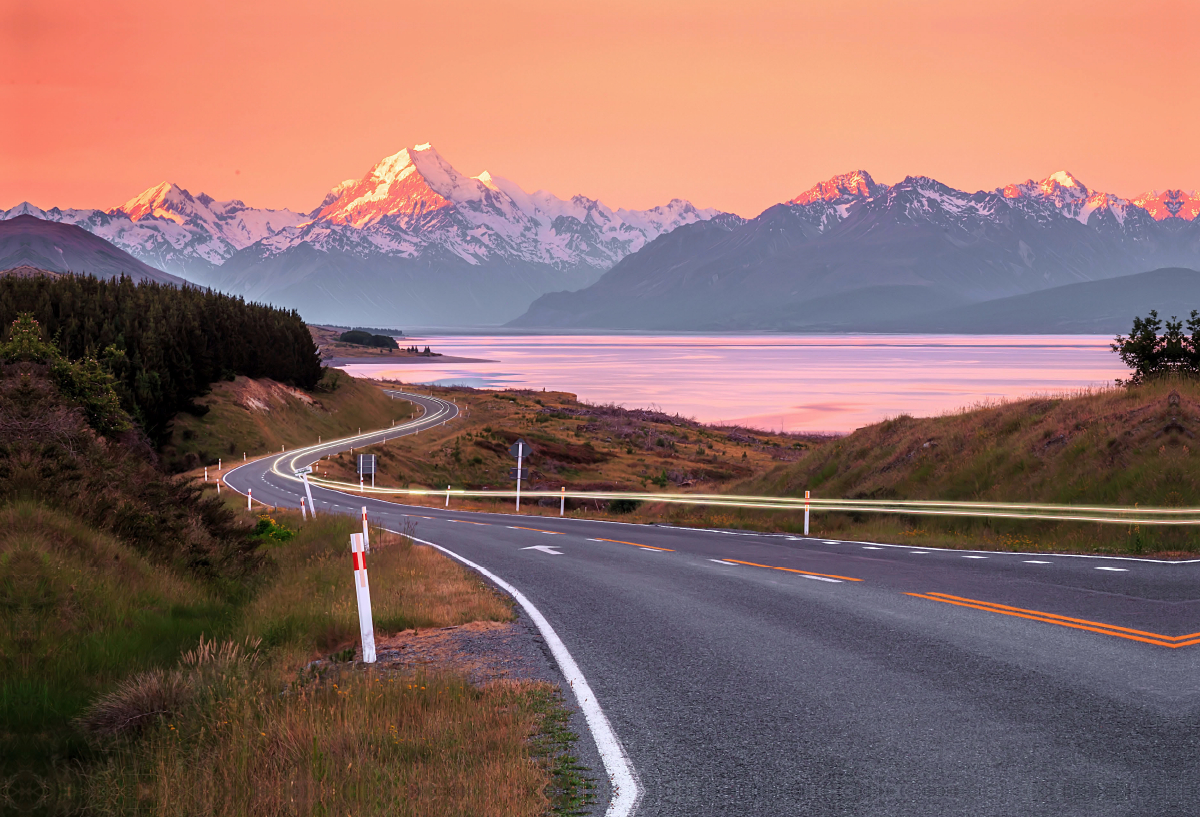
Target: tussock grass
[[356, 743]]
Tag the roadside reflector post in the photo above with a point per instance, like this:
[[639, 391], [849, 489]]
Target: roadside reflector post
[[562, 505], [520, 456], [303, 510], [218, 465], [218, 487], [249, 499], [447, 496], [806, 513], [361, 489], [206, 473], [243, 456], [365, 625], [366, 536]]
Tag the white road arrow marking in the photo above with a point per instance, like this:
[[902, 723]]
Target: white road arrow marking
[[545, 549]]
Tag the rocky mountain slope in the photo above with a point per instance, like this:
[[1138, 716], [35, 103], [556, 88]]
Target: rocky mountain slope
[[853, 254]]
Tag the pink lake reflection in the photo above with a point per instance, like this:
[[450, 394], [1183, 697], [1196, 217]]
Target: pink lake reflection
[[808, 383]]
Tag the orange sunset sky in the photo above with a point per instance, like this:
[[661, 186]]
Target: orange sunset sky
[[735, 105]]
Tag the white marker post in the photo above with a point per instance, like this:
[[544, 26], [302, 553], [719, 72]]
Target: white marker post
[[249, 499], [303, 510], [366, 535], [366, 626], [520, 456], [806, 513], [562, 505], [447, 496], [218, 465], [206, 473]]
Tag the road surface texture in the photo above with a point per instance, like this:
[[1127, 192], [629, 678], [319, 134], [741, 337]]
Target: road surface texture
[[755, 674]]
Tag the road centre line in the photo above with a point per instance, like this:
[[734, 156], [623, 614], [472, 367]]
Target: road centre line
[[635, 544], [801, 572], [1156, 639], [723, 562], [536, 530], [625, 790], [1114, 569], [1036, 562]]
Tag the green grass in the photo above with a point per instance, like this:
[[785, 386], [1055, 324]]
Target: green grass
[[81, 611]]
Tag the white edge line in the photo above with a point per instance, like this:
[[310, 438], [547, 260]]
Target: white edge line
[[625, 790]]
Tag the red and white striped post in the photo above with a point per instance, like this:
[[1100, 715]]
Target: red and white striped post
[[366, 536], [562, 503], [303, 510], [806, 513], [366, 626]]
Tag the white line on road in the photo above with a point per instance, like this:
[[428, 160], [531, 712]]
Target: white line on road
[[1114, 569], [974, 557], [545, 549], [868, 547], [723, 562], [625, 791], [1036, 562], [824, 579]]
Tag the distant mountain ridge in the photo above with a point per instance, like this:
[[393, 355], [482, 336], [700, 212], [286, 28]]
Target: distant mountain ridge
[[29, 243], [412, 241], [851, 253]]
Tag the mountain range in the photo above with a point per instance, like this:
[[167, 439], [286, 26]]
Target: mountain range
[[413, 241], [851, 254]]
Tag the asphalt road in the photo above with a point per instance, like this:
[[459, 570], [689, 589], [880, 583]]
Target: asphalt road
[[751, 674]]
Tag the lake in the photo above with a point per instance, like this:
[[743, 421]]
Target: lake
[[794, 383]]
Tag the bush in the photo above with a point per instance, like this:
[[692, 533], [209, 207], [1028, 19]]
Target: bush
[[360, 338], [624, 505]]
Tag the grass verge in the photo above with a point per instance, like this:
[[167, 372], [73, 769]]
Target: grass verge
[[251, 725]]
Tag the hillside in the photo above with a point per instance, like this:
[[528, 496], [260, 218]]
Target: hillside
[[257, 416], [26, 241], [1108, 447]]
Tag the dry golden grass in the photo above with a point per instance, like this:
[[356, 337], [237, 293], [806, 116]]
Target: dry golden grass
[[310, 606]]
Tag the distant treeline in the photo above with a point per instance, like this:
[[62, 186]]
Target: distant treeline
[[164, 344], [391, 333], [361, 338]]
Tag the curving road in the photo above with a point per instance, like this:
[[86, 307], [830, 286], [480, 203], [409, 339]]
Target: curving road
[[753, 674]]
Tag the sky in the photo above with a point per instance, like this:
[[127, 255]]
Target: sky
[[730, 105]]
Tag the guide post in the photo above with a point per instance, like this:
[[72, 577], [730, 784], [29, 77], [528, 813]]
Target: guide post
[[303, 474], [366, 626], [520, 449]]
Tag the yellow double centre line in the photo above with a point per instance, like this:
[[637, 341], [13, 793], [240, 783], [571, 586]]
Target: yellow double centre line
[[1172, 641]]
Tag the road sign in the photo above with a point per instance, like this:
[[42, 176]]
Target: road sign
[[520, 449], [518, 473], [366, 463], [305, 470]]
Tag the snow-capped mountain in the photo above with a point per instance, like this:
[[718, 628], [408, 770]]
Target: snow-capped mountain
[[172, 230], [483, 246], [415, 201], [853, 254]]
